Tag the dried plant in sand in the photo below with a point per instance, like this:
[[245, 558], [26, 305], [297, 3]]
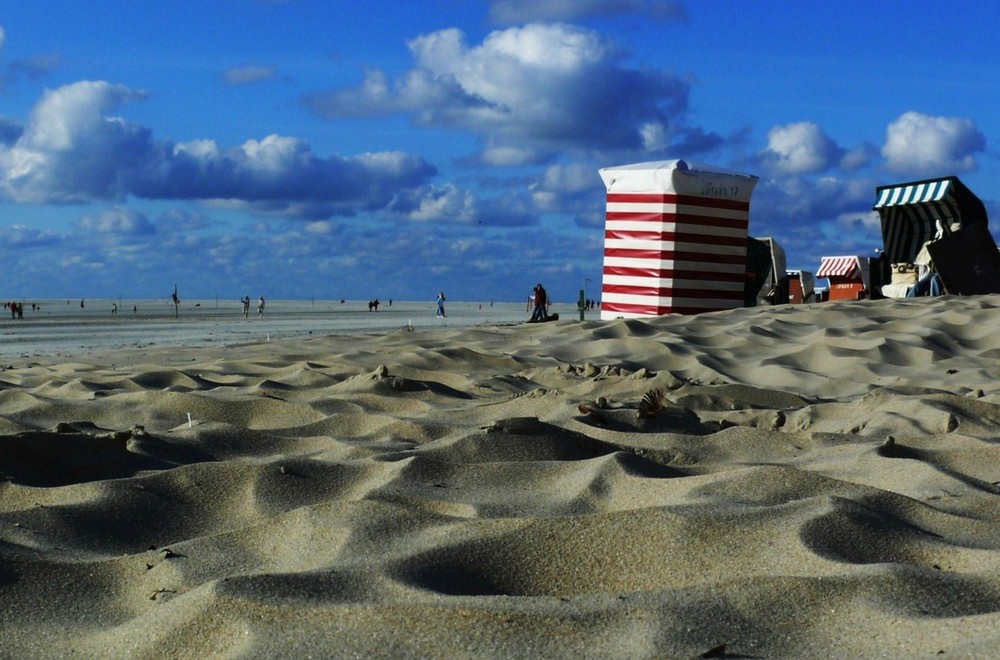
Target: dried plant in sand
[[653, 404]]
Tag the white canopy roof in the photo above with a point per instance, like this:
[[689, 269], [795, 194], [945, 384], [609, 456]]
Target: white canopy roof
[[679, 176]]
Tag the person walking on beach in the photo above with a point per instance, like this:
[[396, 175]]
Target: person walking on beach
[[541, 301], [440, 304], [246, 306], [260, 307]]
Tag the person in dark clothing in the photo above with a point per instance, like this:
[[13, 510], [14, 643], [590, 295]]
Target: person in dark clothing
[[541, 303]]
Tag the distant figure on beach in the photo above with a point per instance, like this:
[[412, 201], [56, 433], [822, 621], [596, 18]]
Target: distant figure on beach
[[373, 305], [440, 304], [114, 308], [81, 303], [260, 307], [541, 302], [246, 306]]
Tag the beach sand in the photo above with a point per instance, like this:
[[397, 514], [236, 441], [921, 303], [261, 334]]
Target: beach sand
[[820, 481]]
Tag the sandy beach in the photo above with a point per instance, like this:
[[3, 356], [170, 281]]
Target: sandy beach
[[800, 481]]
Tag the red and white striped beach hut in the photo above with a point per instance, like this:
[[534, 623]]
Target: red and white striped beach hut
[[675, 239]]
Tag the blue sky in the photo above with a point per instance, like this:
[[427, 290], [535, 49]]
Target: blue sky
[[316, 149]]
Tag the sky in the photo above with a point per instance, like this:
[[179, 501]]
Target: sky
[[313, 149]]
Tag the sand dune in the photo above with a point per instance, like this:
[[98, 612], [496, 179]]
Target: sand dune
[[821, 480]]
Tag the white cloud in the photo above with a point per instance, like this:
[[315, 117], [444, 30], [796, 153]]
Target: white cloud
[[274, 154], [23, 236], [118, 221], [32, 67], [800, 148], [870, 220], [508, 156], [654, 136], [71, 115], [10, 131], [319, 227], [71, 150], [792, 201], [509, 12], [249, 74], [573, 189], [537, 46], [857, 158], [206, 149], [573, 178], [449, 204], [922, 144], [538, 87], [445, 203]]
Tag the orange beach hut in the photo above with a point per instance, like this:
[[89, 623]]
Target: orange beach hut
[[850, 277]]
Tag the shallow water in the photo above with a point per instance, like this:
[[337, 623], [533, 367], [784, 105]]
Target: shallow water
[[62, 327]]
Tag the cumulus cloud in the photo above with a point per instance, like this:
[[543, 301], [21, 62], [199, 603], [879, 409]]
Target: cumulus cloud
[[24, 237], [10, 131], [922, 144], [510, 12], [248, 74], [118, 221], [801, 148], [453, 205], [181, 220], [571, 178], [319, 228], [871, 221], [793, 200], [858, 157], [561, 183], [510, 155], [536, 88], [71, 150], [437, 204], [279, 173], [32, 67]]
